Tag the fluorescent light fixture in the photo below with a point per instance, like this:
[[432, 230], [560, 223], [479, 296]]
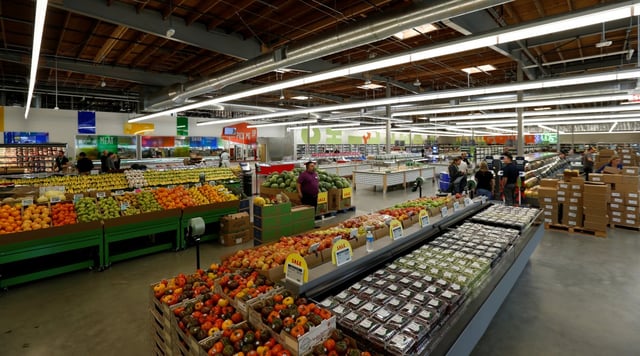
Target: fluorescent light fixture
[[38, 28], [543, 108], [361, 128], [513, 33], [550, 129], [322, 126], [513, 105], [501, 130], [416, 31], [368, 86], [456, 93], [613, 126], [143, 131], [479, 69], [300, 97], [286, 123]]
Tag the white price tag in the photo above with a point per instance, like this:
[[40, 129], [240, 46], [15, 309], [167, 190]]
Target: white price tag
[[424, 221], [456, 206], [467, 201], [54, 199], [27, 202], [396, 232], [171, 186], [354, 233], [101, 194], [483, 199], [336, 239], [119, 192], [124, 205], [444, 211], [295, 274], [198, 185], [343, 256], [313, 248], [77, 197]]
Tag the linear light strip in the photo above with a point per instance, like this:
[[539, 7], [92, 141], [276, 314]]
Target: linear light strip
[[571, 21], [559, 121], [310, 121], [567, 119], [322, 126], [540, 84], [38, 28], [514, 105], [613, 126]]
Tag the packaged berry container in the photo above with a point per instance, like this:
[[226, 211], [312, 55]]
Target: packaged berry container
[[404, 282], [406, 294], [438, 304], [380, 298], [415, 275], [382, 315], [381, 335], [442, 283], [355, 302], [355, 288], [401, 344], [368, 308], [364, 326], [329, 303], [433, 291], [340, 310], [429, 315], [395, 303], [392, 277], [418, 286], [392, 289], [421, 299], [350, 319], [368, 293], [417, 328], [410, 309], [398, 320], [450, 297], [343, 296]]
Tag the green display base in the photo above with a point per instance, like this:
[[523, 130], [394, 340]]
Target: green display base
[[209, 213], [133, 227], [29, 245]]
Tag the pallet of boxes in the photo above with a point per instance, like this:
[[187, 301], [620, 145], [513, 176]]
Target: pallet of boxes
[[235, 229], [569, 206], [623, 205]]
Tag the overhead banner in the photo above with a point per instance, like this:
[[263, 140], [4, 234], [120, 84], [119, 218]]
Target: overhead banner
[[182, 126], [138, 129], [86, 122], [108, 143], [243, 134]]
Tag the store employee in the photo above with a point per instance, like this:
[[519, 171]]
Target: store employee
[[61, 162], [308, 183], [614, 162], [509, 179]]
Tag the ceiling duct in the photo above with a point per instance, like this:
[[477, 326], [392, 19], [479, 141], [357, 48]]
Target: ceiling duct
[[372, 30]]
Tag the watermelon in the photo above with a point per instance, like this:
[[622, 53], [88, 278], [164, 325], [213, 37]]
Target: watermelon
[[275, 185], [282, 185]]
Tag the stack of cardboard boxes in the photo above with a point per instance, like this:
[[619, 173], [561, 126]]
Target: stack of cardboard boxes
[[235, 229], [548, 197], [604, 156], [596, 200], [623, 202], [628, 157], [570, 196]]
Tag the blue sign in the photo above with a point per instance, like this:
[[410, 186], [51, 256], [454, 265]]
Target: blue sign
[[86, 122], [203, 142], [26, 137]]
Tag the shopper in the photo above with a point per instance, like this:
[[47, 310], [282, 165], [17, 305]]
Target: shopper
[[484, 178], [308, 184], [104, 166], [116, 162], [613, 162], [587, 162], [84, 164], [224, 159], [465, 165], [61, 162], [457, 176], [509, 179], [110, 165]]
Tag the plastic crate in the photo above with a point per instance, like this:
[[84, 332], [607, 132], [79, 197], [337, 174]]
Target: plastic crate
[[444, 186], [444, 177]]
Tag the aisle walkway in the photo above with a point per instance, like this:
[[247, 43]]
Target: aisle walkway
[[577, 296]]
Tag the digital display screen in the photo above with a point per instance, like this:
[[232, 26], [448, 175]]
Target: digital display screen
[[229, 131]]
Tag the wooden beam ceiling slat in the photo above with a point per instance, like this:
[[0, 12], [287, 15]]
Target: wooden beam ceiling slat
[[227, 13], [114, 37], [202, 9]]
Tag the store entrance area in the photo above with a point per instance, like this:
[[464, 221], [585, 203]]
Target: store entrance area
[[577, 295]]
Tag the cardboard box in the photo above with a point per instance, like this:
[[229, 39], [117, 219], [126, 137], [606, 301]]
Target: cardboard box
[[563, 185], [598, 188], [575, 215], [577, 180], [563, 193], [630, 170], [617, 200], [272, 222], [573, 200], [576, 194], [547, 192], [577, 222], [625, 188], [631, 209], [600, 219], [616, 214], [631, 216], [547, 200], [631, 201], [596, 177], [576, 187], [272, 210], [562, 200], [632, 195], [302, 212], [235, 222], [549, 206], [236, 238], [606, 152], [611, 170], [549, 183], [595, 226], [570, 174], [616, 207], [269, 235], [611, 178]]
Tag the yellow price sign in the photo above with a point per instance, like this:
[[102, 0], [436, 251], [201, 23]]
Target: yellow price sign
[[395, 229], [341, 252], [296, 269], [346, 193], [323, 197]]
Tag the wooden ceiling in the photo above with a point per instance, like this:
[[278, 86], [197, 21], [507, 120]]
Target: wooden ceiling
[[121, 60]]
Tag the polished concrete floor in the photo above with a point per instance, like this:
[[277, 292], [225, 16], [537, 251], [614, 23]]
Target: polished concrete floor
[[579, 295]]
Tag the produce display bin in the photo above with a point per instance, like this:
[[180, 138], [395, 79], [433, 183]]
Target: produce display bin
[[27, 247], [210, 213], [137, 227], [388, 178]]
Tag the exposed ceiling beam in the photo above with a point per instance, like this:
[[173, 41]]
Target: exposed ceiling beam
[[107, 71], [114, 37], [62, 32], [202, 9], [583, 32], [87, 38], [148, 21], [168, 10], [132, 47]]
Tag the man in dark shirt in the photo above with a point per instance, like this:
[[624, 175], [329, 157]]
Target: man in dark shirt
[[61, 161], [104, 165], [308, 184], [509, 179], [587, 162], [84, 164]]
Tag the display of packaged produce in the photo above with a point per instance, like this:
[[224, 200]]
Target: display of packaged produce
[[365, 325], [429, 315], [398, 320], [349, 320], [417, 328], [382, 315], [503, 215], [395, 303], [381, 335], [380, 298], [368, 308]]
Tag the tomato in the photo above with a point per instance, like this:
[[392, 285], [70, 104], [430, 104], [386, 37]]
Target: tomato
[[287, 301], [236, 335], [278, 298], [330, 344], [297, 331], [236, 317]]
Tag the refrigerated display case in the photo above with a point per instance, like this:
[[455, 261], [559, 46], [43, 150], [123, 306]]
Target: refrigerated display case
[[29, 158]]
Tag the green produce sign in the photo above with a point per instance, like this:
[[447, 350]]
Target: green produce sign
[[108, 143], [182, 126]]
